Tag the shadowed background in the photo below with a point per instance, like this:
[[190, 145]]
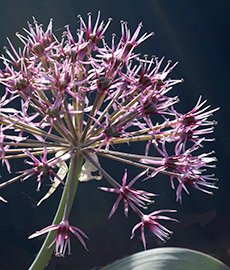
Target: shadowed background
[[195, 33]]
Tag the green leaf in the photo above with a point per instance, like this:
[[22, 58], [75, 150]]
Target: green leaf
[[168, 259]]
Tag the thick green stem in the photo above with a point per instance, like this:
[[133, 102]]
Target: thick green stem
[[45, 253]]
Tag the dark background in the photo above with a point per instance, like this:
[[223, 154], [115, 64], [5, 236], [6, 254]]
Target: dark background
[[195, 33]]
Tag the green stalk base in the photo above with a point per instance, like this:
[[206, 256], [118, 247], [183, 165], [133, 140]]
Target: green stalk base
[[45, 252]]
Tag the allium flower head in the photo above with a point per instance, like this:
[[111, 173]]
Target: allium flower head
[[82, 98]]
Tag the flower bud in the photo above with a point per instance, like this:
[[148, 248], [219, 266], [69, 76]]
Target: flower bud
[[127, 49], [46, 42], [38, 49], [149, 107], [112, 131], [103, 84], [189, 120], [20, 83], [62, 84], [145, 80], [172, 162]]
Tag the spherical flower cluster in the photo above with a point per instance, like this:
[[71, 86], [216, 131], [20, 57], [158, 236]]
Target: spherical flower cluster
[[81, 96]]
